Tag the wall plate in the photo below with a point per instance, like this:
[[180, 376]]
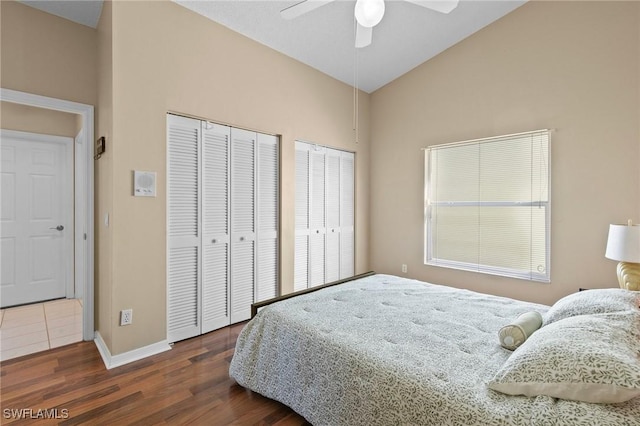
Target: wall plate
[[144, 184]]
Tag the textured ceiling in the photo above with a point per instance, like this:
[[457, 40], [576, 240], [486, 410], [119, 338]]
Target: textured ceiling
[[85, 12], [324, 38]]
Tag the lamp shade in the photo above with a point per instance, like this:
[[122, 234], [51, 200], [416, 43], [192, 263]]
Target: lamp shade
[[369, 13], [624, 243]]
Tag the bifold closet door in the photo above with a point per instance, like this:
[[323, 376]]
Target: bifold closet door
[[347, 214], [215, 226], [333, 201], [243, 213], [324, 214], [222, 224], [183, 258], [266, 284], [301, 257], [317, 216]]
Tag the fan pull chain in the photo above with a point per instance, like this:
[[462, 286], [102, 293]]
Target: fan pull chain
[[356, 105]]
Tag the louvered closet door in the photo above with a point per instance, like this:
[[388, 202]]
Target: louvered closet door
[[317, 216], [215, 226], [243, 205], [267, 218], [333, 200], [324, 207], [301, 259], [347, 214], [183, 316]]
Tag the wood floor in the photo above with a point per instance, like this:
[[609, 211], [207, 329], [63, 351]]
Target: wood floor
[[189, 384]]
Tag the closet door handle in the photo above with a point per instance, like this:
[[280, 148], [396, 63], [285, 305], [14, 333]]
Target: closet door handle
[[241, 238], [214, 241]]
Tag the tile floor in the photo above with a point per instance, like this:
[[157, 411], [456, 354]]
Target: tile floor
[[33, 328]]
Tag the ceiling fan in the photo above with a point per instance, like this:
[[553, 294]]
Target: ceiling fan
[[368, 13]]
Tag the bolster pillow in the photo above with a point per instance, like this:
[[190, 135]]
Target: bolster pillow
[[515, 333]]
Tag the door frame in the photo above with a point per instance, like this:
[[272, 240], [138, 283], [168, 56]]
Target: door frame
[[83, 209]]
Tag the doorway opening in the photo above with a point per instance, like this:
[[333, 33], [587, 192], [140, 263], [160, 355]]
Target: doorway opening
[[83, 196]]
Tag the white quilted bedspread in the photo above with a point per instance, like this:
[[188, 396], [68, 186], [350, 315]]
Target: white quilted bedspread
[[385, 350]]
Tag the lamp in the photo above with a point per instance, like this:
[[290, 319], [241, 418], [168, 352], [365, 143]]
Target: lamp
[[624, 245], [369, 13]]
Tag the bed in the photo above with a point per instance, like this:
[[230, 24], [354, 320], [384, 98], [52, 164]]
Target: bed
[[385, 350]]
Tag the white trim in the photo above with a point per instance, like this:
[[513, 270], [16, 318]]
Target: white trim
[[490, 138], [79, 183], [491, 270], [83, 253], [113, 361], [430, 259], [69, 212]]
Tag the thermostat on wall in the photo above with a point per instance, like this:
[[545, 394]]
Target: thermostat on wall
[[144, 184]]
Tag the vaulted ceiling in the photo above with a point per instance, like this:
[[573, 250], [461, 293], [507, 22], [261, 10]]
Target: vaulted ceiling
[[407, 36]]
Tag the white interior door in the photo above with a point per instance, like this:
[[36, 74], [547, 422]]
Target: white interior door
[[220, 179], [215, 224], [183, 228], [347, 214], [266, 285], [325, 215], [332, 269], [36, 217], [317, 217], [243, 208], [301, 261]]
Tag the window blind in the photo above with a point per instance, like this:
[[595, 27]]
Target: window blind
[[487, 205]]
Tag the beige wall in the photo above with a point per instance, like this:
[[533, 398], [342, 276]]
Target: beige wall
[[103, 177], [570, 66], [38, 120], [167, 58], [148, 58], [47, 55]]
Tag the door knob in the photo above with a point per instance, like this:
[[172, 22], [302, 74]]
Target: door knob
[[58, 228]]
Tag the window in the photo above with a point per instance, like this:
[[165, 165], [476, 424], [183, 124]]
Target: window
[[487, 205]]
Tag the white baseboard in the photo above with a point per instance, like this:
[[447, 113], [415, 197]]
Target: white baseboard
[[112, 361]]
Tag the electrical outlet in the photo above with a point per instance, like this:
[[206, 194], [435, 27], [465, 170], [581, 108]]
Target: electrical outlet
[[126, 316], [404, 268]]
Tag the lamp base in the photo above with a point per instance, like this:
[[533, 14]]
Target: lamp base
[[629, 275]]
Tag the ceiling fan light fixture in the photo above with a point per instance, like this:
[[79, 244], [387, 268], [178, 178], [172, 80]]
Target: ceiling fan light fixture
[[369, 13]]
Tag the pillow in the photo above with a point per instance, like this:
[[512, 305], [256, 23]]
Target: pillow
[[596, 301], [514, 334], [589, 358]]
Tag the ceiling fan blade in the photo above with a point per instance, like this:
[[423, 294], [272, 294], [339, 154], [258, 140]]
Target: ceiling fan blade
[[363, 35], [303, 7], [442, 6]]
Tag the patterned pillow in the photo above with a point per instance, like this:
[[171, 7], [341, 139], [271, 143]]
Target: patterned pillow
[[596, 301], [590, 358]]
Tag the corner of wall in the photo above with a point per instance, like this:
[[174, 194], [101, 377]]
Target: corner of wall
[[113, 361], [104, 182], [638, 114]]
